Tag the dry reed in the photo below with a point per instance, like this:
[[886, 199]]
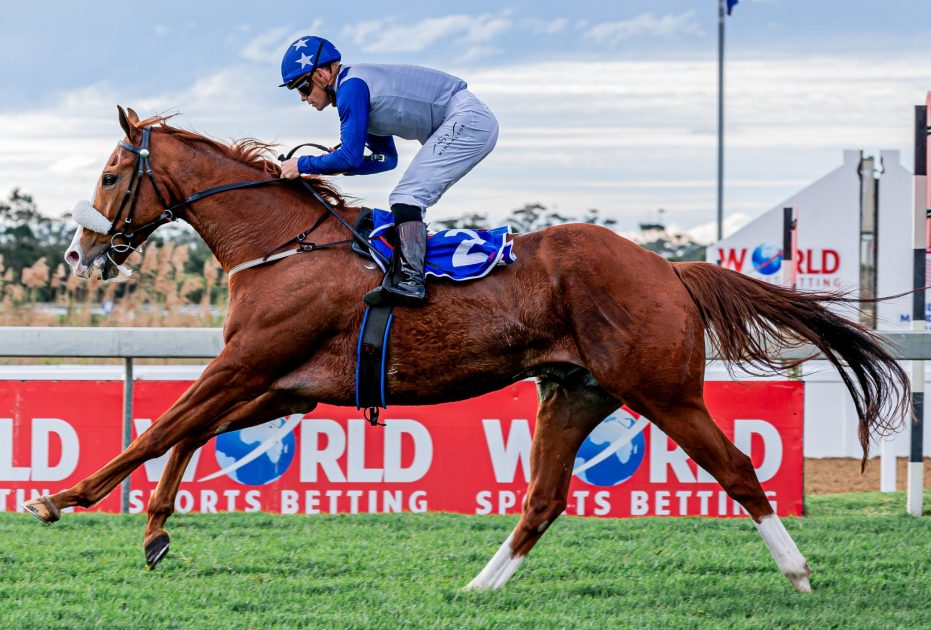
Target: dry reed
[[159, 293]]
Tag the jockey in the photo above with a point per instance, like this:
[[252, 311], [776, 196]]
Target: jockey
[[375, 103]]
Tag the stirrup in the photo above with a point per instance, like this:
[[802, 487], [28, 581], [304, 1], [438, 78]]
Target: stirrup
[[377, 296], [399, 293]]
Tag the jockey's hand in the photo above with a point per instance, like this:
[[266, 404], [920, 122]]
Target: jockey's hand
[[289, 169]]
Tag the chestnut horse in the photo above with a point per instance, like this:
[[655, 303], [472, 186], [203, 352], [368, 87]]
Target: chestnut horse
[[596, 319]]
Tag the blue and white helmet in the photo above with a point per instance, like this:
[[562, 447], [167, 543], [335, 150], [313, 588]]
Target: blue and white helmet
[[304, 55]]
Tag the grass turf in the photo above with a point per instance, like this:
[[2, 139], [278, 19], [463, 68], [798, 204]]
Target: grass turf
[[871, 562]]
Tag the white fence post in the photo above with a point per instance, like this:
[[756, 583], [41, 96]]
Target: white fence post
[[887, 464]]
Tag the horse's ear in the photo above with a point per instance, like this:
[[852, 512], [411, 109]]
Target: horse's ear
[[128, 123]]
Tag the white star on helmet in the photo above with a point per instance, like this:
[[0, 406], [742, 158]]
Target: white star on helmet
[[305, 60], [301, 43]]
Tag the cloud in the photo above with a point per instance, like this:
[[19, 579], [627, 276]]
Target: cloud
[[708, 232], [632, 137], [545, 27], [381, 35], [73, 164], [269, 46], [645, 24], [479, 52]]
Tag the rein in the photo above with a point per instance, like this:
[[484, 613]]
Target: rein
[[303, 247], [169, 214]]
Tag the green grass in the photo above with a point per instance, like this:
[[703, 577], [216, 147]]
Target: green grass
[[871, 562]]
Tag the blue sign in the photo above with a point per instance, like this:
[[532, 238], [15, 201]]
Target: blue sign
[[620, 453], [257, 455], [767, 259]]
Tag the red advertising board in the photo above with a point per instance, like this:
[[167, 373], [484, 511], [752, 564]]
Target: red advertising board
[[468, 457]]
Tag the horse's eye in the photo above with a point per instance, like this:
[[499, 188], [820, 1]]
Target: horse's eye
[[109, 180]]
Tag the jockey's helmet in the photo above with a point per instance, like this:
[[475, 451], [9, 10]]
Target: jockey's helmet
[[304, 55]]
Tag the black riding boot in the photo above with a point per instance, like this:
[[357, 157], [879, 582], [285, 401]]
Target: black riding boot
[[404, 281], [411, 290]]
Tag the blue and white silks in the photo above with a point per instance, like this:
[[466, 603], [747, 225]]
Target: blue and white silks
[[457, 254]]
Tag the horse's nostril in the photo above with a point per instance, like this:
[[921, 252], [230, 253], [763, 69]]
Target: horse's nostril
[[72, 257]]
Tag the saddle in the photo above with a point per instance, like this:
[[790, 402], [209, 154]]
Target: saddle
[[457, 254]]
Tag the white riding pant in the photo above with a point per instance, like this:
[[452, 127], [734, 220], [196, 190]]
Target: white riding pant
[[465, 137]]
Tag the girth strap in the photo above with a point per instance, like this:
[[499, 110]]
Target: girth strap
[[371, 360]]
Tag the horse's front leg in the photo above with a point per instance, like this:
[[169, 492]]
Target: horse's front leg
[[268, 406], [217, 390], [162, 501]]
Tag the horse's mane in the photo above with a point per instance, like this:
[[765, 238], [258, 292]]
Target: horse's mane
[[249, 151]]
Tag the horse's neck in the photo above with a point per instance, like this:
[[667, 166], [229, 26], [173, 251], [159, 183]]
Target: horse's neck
[[242, 225]]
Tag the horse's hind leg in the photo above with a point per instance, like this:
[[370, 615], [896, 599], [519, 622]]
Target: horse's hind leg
[[568, 412], [691, 426]]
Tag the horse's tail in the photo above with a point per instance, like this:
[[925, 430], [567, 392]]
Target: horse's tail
[[749, 321]]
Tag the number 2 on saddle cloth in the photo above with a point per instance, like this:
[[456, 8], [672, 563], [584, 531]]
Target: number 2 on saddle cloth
[[457, 254]]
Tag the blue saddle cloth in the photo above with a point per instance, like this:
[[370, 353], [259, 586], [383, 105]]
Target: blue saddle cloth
[[457, 254]]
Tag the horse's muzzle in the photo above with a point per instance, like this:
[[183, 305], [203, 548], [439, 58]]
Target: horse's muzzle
[[106, 268]]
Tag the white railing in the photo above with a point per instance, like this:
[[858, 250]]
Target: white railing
[[123, 343]]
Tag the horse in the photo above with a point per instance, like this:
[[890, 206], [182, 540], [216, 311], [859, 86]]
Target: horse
[[597, 320]]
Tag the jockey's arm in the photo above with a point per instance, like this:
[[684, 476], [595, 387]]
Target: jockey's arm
[[384, 156], [352, 103]]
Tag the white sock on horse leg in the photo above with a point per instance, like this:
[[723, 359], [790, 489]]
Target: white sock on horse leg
[[786, 554], [507, 570], [498, 570]]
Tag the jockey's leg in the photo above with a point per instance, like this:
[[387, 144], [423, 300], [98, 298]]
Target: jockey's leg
[[404, 281], [468, 134], [568, 412], [412, 234]]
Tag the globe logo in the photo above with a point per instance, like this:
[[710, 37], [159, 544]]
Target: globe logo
[[613, 452], [767, 259], [258, 455]]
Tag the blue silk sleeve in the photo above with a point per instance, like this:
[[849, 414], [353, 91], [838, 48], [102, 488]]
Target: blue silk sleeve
[[384, 147], [352, 103]]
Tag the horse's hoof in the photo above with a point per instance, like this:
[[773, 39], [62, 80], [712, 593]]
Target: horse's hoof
[[800, 580], [155, 550], [802, 585], [43, 509]]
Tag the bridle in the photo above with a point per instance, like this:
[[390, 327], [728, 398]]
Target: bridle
[[143, 168]]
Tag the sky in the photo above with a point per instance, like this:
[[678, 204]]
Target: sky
[[606, 105]]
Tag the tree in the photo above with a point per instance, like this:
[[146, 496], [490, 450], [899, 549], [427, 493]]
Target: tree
[[536, 216], [26, 235], [675, 247], [474, 221], [527, 218]]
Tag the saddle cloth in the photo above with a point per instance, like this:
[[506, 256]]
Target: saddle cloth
[[457, 254]]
